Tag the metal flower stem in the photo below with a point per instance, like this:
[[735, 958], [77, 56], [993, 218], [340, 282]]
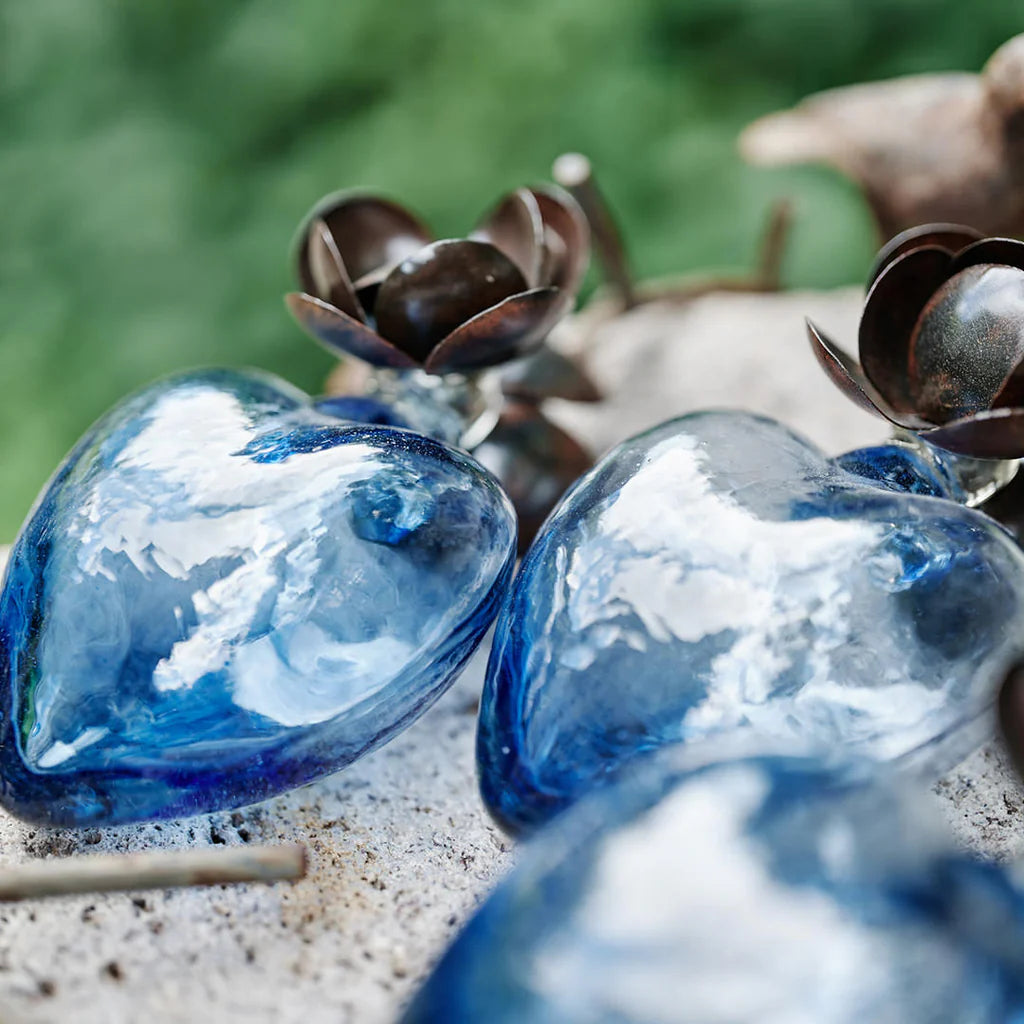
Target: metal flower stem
[[573, 172], [768, 274], [170, 869]]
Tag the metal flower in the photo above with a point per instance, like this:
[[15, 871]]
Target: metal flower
[[942, 341], [378, 288]]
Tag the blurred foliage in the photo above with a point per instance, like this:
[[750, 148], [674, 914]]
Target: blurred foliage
[[155, 157]]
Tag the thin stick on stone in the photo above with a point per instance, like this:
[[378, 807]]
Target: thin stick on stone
[[573, 172], [157, 870]]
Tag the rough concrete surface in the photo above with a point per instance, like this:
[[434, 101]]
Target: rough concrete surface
[[401, 848]]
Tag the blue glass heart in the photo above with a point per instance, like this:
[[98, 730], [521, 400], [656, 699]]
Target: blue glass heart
[[764, 889], [224, 593], [719, 572]]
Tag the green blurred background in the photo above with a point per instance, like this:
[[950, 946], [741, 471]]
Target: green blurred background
[[156, 157]]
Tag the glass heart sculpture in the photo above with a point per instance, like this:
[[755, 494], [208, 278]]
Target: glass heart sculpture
[[720, 572], [762, 889], [224, 592]]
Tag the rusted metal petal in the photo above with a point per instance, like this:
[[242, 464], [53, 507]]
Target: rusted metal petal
[[1002, 251], [843, 370], [426, 297], [340, 333], [847, 375], [330, 277], [536, 463], [968, 344], [372, 235], [548, 374], [515, 226], [508, 330], [566, 240], [951, 237], [992, 434], [890, 312]]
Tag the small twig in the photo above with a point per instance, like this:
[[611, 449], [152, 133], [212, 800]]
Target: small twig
[[157, 870], [573, 172], [773, 245]]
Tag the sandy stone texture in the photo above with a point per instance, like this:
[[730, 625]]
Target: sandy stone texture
[[401, 848]]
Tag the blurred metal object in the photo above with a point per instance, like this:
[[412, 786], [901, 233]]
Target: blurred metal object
[[923, 148], [548, 373], [573, 172], [768, 274], [69, 876]]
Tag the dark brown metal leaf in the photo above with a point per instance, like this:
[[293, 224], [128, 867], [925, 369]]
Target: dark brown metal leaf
[[887, 323], [566, 240], [992, 434], [536, 463], [515, 226], [952, 237], [843, 370], [969, 343], [847, 375], [340, 333], [508, 330], [330, 277], [1001, 251], [426, 297], [548, 374], [372, 235]]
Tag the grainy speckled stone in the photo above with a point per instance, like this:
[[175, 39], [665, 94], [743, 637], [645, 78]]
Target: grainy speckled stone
[[983, 800], [401, 847]]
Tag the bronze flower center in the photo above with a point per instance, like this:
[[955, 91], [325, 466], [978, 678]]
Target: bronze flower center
[[440, 287], [968, 343]]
